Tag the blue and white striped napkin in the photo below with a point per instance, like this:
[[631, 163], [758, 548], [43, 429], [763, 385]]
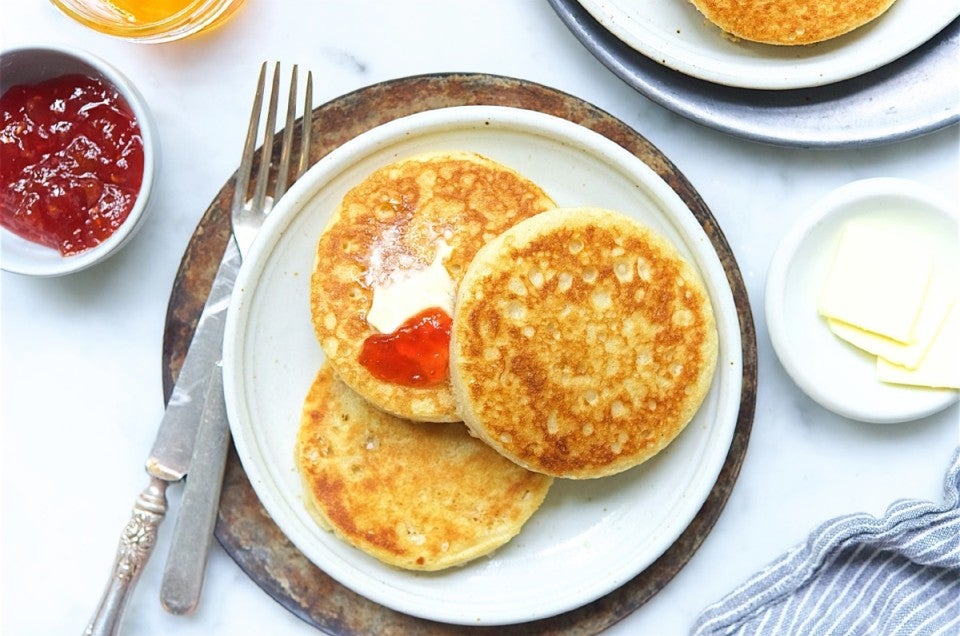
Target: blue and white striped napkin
[[857, 574]]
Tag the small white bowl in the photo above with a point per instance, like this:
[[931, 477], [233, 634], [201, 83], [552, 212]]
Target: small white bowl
[[829, 370], [33, 64]]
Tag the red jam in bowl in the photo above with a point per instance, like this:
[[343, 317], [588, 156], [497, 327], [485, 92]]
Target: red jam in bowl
[[71, 162]]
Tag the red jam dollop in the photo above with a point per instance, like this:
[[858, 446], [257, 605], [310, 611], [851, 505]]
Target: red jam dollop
[[71, 162], [417, 354]]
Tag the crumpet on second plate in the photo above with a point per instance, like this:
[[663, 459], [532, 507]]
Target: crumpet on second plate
[[790, 22], [397, 245], [582, 343], [414, 496]]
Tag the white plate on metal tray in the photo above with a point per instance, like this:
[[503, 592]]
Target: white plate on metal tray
[[589, 537], [675, 34]]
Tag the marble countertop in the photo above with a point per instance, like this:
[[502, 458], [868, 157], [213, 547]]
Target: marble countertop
[[81, 355]]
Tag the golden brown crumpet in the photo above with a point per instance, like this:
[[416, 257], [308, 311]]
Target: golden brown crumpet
[[420, 219], [582, 343], [790, 22], [414, 496]]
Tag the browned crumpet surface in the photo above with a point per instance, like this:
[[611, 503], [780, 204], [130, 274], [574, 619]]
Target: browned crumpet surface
[[413, 495], [396, 220], [582, 343], [789, 22]]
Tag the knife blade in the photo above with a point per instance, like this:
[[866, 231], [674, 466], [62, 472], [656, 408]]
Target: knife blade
[[186, 560], [172, 450], [193, 532]]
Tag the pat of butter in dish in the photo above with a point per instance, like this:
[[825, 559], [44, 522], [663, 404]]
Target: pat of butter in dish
[[878, 280], [941, 296], [940, 368], [408, 291]]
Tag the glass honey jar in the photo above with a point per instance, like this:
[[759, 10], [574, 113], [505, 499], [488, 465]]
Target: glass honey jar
[[149, 20]]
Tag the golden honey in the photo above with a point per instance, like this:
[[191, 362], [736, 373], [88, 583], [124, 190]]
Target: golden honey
[[149, 20], [137, 12]]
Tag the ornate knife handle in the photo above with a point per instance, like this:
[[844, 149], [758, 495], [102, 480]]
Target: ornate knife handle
[[136, 545]]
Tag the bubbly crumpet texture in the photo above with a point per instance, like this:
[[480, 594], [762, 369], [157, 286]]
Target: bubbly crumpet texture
[[790, 22], [397, 220], [415, 496], [582, 343]]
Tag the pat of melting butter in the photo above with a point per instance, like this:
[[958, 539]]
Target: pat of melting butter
[[940, 368], [878, 280], [407, 291]]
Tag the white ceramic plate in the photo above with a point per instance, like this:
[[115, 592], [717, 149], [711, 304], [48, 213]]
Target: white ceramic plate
[[675, 34], [832, 372], [589, 537]]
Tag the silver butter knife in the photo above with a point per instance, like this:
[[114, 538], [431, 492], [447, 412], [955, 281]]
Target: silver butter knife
[[193, 532], [170, 457]]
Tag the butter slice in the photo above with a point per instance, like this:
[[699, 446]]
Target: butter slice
[[936, 305], [940, 368], [878, 280], [407, 292]]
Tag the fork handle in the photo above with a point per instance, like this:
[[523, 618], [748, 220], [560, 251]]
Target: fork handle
[[136, 544]]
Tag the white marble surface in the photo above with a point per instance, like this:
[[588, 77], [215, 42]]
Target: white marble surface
[[81, 387]]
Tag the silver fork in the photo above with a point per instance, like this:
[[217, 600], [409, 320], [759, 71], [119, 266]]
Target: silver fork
[[183, 576], [247, 216]]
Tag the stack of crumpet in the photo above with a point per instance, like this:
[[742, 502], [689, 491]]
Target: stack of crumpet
[[479, 343]]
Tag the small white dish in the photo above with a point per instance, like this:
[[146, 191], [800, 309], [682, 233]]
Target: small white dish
[[590, 536], [676, 35], [34, 64], [832, 372]]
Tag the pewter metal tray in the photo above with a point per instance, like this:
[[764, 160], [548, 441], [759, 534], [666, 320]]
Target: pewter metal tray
[[912, 96]]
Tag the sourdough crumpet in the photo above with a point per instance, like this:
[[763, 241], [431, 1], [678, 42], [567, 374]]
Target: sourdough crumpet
[[790, 22], [413, 496], [582, 343], [398, 244]]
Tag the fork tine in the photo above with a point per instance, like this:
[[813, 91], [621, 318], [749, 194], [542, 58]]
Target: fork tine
[[287, 148], [247, 216], [306, 126], [246, 159], [266, 150]]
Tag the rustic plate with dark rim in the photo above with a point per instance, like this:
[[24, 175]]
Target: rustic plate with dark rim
[[243, 524]]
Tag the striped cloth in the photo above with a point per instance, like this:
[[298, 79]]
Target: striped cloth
[[858, 574]]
